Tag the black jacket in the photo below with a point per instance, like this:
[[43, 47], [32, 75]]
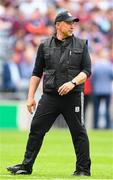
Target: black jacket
[[61, 62]]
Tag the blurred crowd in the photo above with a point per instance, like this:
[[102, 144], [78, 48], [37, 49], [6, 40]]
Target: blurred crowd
[[24, 23]]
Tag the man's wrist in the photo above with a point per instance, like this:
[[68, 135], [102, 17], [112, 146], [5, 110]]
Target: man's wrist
[[73, 82], [30, 97]]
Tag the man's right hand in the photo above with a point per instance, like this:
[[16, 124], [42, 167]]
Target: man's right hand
[[31, 105]]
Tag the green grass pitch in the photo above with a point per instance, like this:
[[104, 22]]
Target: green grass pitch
[[56, 160]]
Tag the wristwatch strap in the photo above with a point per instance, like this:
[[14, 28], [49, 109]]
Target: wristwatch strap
[[73, 82]]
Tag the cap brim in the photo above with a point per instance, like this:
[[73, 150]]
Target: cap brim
[[72, 19]]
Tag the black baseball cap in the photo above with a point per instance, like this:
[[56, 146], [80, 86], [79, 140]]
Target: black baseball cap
[[65, 16]]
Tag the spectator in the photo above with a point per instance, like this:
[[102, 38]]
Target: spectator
[[27, 63], [102, 77], [36, 24], [12, 80]]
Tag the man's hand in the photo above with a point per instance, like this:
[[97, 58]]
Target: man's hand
[[65, 88], [31, 104]]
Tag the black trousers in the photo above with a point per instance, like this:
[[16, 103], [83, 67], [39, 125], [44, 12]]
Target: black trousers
[[49, 107]]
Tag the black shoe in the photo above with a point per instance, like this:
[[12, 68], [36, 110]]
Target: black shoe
[[19, 169], [80, 173]]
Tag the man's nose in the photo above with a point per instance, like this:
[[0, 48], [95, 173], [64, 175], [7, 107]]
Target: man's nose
[[72, 26]]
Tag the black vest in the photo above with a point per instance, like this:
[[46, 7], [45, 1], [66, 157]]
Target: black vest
[[62, 64]]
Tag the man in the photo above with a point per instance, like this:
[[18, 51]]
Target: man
[[65, 63], [102, 77]]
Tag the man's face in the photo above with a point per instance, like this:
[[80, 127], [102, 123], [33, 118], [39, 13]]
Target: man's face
[[65, 28]]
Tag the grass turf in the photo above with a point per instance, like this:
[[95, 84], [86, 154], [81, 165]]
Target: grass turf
[[56, 160]]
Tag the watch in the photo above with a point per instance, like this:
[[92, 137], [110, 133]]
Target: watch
[[73, 82]]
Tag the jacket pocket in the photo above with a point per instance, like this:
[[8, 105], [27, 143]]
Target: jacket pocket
[[76, 57], [49, 79]]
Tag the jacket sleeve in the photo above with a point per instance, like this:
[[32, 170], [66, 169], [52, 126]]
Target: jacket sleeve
[[39, 62], [86, 61]]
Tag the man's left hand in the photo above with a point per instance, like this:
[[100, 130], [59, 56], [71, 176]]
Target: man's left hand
[[65, 88]]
